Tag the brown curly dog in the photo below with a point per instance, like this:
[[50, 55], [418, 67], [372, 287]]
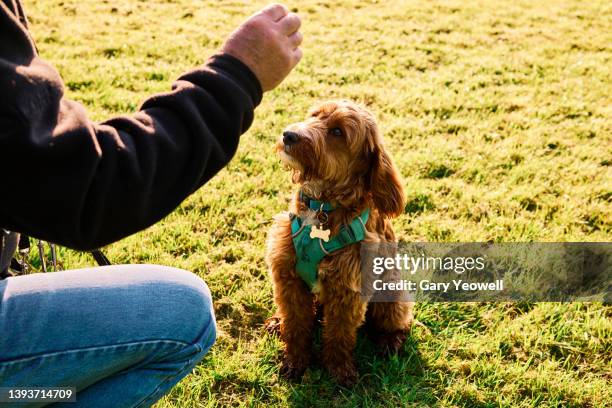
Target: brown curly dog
[[336, 156]]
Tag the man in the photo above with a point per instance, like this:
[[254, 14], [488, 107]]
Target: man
[[122, 335]]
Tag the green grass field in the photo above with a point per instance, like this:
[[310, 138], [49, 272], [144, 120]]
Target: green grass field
[[499, 116]]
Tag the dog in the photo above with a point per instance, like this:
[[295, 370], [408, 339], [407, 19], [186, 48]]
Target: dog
[[346, 181]]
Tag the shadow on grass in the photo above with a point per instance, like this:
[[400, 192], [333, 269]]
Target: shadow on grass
[[390, 381]]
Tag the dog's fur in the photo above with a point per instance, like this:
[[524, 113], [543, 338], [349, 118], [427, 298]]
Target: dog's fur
[[353, 171]]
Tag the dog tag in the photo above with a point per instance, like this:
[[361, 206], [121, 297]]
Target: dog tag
[[322, 217], [317, 232]]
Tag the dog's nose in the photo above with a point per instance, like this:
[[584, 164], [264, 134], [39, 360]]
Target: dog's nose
[[290, 138]]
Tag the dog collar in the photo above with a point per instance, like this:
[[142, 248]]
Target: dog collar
[[316, 205], [311, 251]]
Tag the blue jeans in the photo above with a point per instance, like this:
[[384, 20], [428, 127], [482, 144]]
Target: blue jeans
[[122, 335]]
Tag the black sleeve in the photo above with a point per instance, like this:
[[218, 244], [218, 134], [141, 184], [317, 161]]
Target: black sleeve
[[68, 180]]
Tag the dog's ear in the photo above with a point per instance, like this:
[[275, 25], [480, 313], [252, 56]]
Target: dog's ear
[[385, 183]]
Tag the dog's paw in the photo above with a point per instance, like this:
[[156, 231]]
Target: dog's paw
[[345, 374], [390, 343], [273, 325], [293, 369]]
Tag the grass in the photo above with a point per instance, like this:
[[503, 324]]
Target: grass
[[499, 115]]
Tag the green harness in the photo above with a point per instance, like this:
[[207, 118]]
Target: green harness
[[310, 251]]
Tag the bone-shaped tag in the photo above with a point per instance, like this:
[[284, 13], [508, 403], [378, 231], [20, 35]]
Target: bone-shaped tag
[[316, 232]]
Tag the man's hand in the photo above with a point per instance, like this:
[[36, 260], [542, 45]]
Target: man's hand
[[268, 44]]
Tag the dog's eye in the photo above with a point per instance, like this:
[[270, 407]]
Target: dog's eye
[[335, 132]]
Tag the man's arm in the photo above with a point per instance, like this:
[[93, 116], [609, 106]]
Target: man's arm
[[80, 184]]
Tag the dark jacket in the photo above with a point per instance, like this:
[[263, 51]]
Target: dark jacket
[[81, 184]]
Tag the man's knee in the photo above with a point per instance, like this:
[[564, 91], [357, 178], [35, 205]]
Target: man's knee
[[177, 304], [199, 305], [191, 314]]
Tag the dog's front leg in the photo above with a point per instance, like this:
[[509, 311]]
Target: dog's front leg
[[296, 308], [297, 314], [343, 312]]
